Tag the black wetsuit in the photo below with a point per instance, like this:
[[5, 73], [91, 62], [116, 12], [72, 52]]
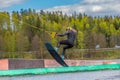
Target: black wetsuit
[[71, 36]]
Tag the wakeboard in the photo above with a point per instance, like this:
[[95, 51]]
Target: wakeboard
[[55, 55]]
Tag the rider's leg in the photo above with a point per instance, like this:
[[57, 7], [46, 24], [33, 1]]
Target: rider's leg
[[64, 50], [57, 47], [59, 43]]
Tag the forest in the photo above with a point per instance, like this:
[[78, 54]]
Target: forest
[[23, 34]]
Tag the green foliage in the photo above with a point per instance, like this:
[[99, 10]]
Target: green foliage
[[22, 43], [7, 41], [80, 40], [30, 29]]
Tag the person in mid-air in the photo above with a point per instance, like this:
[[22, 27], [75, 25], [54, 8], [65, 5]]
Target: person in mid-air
[[69, 42]]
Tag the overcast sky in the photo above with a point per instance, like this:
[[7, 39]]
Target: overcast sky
[[90, 7]]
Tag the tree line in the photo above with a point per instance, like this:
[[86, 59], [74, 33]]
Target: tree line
[[26, 31]]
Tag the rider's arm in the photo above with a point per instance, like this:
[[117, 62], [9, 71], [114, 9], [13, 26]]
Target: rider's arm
[[65, 33]]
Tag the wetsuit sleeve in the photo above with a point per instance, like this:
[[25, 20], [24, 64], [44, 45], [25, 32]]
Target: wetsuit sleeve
[[63, 34]]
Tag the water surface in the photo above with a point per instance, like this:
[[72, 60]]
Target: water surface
[[92, 75]]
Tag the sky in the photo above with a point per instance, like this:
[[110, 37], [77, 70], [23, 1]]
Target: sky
[[89, 7]]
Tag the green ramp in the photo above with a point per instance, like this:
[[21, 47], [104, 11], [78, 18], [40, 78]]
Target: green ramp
[[39, 71]]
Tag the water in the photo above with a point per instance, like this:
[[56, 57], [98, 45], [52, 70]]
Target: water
[[92, 75]]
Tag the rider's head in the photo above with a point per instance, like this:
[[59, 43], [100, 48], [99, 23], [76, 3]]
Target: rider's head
[[68, 28]]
